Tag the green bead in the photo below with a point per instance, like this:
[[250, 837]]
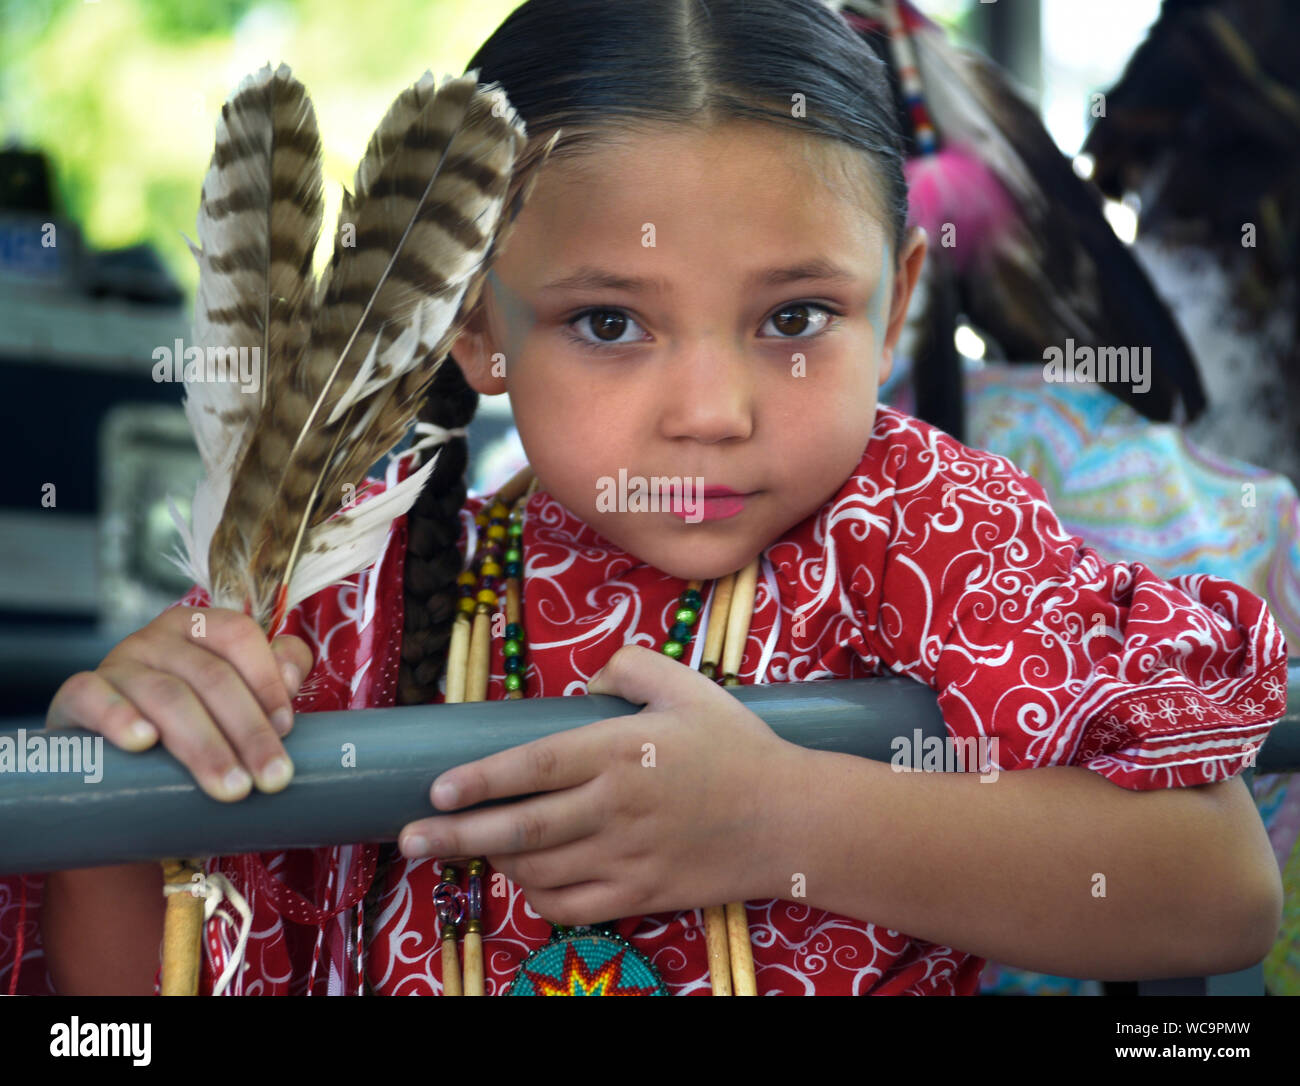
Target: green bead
[[516, 528], [514, 681], [673, 649], [514, 555], [691, 598], [686, 616], [514, 631], [512, 647]]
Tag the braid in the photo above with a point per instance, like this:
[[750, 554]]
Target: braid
[[433, 558], [433, 561]]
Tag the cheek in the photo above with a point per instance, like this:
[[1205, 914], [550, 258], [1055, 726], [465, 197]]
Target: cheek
[[543, 395], [826, 389], [569, 435], [824, 417]]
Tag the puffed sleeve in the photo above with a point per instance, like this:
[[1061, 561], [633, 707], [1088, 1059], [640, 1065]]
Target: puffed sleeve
[[1032, 640]]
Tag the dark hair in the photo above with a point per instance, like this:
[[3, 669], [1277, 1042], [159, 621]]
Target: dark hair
[[593, 67], [589, 66]]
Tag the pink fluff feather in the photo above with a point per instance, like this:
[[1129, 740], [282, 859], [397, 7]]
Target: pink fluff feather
[[955, 187]]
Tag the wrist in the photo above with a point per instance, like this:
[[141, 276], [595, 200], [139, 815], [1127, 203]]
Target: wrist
[[786, 799]]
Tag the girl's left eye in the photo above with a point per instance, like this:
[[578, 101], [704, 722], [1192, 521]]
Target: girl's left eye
[[792, 321]]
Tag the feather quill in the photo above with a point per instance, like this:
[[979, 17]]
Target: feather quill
[[345, 363]]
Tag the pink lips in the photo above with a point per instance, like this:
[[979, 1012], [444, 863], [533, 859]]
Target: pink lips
[[713, 503]]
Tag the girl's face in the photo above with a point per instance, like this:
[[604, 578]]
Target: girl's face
[[695, 305]]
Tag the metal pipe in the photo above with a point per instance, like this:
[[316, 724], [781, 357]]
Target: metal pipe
[[362, 774]]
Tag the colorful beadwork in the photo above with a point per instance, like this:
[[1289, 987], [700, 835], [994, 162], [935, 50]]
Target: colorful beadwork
[[585, 963], [513, 650], [682, 629], [590, 960]]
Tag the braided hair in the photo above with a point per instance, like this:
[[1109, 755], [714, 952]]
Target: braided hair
[[433, 561], [589, 67]]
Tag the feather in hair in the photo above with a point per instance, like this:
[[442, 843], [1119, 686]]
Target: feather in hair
[[1039, 263], [344, 365]]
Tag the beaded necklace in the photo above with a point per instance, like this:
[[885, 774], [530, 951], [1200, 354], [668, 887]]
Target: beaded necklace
[[588, 959]]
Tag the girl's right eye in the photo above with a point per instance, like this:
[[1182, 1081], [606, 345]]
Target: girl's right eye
[[607, 325]]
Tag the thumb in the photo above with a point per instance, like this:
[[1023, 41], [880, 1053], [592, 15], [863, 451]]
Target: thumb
[[641, 676]]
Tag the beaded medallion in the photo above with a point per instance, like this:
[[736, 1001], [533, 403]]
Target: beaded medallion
[[586, 962]]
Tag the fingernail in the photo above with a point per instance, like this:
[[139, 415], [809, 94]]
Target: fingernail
[[445, 794], [282, 720], [292, 679], [141, 733], [275, 775], [236, 783], [415, 847]]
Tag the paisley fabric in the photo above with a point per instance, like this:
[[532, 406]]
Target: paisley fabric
[[932, 560]]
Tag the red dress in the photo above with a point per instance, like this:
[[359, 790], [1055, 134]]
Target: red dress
[[933, 560]]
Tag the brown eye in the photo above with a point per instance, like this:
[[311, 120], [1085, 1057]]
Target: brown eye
[[791, 320], [608, 324], [794, 321]]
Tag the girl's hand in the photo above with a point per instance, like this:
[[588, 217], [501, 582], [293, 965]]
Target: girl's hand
[[215, 691], [675, 807]]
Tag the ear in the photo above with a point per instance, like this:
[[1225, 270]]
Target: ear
[[910, 263], [476, 351]]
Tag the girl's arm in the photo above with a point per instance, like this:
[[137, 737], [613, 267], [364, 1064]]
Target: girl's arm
[[1051, 869], [102, 929]]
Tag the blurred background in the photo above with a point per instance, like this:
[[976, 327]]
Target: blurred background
[[1153, 136]]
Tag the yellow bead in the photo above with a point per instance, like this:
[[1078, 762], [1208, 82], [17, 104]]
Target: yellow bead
[[486, 595], [496, 531], [491, 569], [467, 578], [499, 510], [467, 604]]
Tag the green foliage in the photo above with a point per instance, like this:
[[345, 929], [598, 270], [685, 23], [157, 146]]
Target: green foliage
[[180, 20], [124, 95]]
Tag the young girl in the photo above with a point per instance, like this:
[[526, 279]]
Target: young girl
[[708, 283]]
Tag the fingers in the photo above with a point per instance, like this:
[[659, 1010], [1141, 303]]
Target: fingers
[[237, 639], [550, 869], [542, 822], [208, 683], [225, 698], [185, 726], [205, 682], [592, 902], [88, 700], [562, 760]]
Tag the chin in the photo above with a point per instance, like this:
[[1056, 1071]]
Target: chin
[[691, 562]]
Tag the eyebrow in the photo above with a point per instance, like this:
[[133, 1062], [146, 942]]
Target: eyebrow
[[590, 278]]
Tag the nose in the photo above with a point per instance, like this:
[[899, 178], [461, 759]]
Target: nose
[[708, 394]]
